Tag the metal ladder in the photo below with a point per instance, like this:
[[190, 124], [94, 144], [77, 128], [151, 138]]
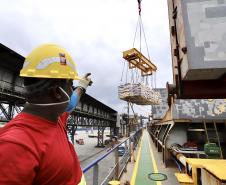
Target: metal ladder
[[216, 136]]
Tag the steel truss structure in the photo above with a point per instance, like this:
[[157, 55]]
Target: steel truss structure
[[8, 111], [92, 113]]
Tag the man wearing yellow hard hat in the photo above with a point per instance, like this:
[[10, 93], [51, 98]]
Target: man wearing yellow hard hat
[[34, 148]]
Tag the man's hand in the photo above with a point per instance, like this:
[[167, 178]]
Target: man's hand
[[78, 91], [85, 81]]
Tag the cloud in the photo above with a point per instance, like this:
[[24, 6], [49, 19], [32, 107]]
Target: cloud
[[95, 32]]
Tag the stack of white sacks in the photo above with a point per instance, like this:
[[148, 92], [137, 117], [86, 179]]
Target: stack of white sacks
[[139, 94]]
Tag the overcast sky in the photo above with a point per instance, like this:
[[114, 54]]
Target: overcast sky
[[95, 32]]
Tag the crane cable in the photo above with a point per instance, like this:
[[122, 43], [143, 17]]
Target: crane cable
[[139, 6], [135, 77], [141, 31]]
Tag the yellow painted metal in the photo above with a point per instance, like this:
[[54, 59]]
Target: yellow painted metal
[[133, 179], [153, 160], [200, 163], [114, 182], [184, 179], [211, 164], [195, 163], [137, 60], [217, 169], [209, 179]]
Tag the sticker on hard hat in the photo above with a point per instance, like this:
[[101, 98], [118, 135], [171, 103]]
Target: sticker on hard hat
[[63, 60]]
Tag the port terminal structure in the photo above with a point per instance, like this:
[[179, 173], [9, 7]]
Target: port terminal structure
[[89, 113]]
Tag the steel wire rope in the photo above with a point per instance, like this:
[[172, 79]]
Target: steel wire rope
[[145, 38], [137, 76], [131, 105], [155, 80], [144, 79], [142, 108], [132, 76], [151, 84], [122, 71], [154, 75], [127, 71], [137, 73], [123, 108], [142, 28], [152, 81], [146, 109], [147, 81], [134, 40], [140, 38], [140, 21]]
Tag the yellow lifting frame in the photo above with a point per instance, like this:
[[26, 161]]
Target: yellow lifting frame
[[137, 59]]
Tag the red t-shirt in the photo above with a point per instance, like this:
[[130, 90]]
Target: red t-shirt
[[35, 151]]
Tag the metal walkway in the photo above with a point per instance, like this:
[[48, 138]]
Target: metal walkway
[[145, 164]]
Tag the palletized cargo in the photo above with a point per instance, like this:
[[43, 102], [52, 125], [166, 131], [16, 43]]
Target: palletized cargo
[[139, 94]]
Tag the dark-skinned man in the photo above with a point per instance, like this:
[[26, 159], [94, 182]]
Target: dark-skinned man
[[34, 147]]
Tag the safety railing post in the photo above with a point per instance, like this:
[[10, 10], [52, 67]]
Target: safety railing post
[[95, 174], [132, 158], [116, 164], [117, 170], [129, 150]]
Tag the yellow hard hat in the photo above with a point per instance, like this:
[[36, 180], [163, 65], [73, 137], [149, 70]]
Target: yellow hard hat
[[49, 61]]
